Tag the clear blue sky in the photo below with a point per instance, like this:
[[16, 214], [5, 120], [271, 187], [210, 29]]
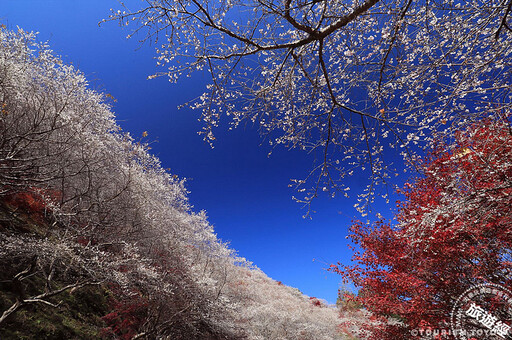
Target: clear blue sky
[[244, 192]]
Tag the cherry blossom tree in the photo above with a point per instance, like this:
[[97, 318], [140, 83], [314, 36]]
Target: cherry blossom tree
[[452, 231], [344, 80]]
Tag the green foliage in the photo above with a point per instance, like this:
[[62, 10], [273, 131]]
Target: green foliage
[[347, 301], [78, 315], [74, 320], [79, 312]]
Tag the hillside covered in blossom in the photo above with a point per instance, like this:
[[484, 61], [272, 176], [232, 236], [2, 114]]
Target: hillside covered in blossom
[[98, 240]]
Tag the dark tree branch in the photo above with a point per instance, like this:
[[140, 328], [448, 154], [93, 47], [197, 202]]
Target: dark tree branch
[[504, 21]]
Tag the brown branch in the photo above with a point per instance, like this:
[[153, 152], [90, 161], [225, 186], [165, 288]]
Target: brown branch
[[504, 21], [392, 42], [294, 23], [348, 18], [313, 35]]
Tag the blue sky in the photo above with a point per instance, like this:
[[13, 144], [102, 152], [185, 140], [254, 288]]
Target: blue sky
[[244, 192]]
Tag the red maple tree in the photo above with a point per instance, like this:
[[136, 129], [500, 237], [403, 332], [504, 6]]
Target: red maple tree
[[452, 230]]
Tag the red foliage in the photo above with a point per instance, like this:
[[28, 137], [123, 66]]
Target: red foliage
[[452, 231], [33, 200], [315, 301], [128, 315]]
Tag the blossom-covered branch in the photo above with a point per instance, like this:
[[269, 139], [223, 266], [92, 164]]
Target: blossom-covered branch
[[350, 81]]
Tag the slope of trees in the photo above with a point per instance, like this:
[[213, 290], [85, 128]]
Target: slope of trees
[[452, 231], [87, 205], [346, 80]]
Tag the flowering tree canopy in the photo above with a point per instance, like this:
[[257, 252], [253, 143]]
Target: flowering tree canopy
[[345, 80], [452, 232]]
